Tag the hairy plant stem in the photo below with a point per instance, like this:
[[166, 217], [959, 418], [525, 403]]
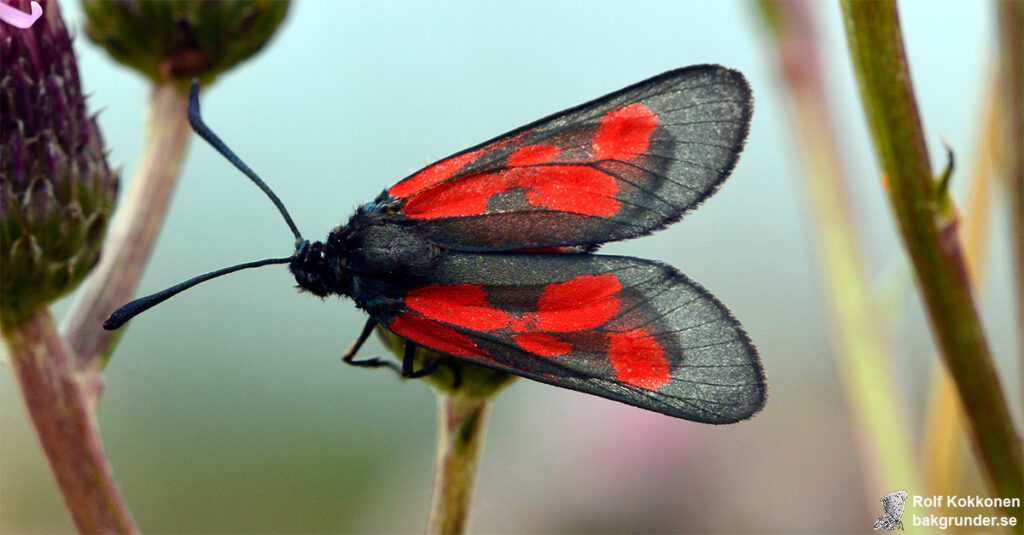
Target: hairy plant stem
[[130, 240], [463, 420], [858, 336], [64, 420], [876, 48]]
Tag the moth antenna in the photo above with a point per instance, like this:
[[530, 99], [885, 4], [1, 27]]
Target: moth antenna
[[196, 120], [142, 304]]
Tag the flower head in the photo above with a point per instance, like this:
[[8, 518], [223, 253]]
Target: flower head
[[178, 40], [56, 189]]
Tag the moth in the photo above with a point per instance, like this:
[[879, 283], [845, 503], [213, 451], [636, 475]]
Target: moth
[[488, 255]]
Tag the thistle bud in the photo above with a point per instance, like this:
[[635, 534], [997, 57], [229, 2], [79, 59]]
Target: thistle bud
[[56, 189], [179, 40]]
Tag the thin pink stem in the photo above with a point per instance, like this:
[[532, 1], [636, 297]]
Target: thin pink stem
[[65, 424]]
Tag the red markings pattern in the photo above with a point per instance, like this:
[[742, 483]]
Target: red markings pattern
[[624, 133], [568, 188], [532, 155], [434, 335], [542, 344], [580, 304], [464, 305], [432, 175], [575, 305], [638, 359]]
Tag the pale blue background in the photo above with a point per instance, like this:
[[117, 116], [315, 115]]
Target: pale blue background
[[227, 409]]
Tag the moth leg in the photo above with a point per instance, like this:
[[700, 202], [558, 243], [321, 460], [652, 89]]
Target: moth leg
[[375, 362], [408, 352], [407, 362]]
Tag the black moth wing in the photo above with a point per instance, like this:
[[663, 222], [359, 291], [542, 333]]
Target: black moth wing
[[617, 167], [622, 328]]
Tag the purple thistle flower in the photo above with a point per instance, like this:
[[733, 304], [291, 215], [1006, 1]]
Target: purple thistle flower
[[56, 190]]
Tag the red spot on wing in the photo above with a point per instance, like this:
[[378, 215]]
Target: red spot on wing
[[542, 344], [638, 359], [569, 188], [464, 305], [435, 336], [432, 175], [578, 304], [624, 133], [532, 155], [466, 196]]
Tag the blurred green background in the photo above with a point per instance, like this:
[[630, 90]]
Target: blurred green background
[[227, 409]]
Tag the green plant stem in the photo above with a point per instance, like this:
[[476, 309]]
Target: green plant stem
[[65, 424], [857, 334], [876, 48], [944, 423], [130, 241], [463, 420]]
